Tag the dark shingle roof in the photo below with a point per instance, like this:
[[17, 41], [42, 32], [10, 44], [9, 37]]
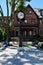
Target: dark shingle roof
[[37, 10]]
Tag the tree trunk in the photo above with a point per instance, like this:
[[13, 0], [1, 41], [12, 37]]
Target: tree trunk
[[7, 8], [7, 25], [12, 9]]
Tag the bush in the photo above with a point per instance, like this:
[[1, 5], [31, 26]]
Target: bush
[[4, 36], [41, 45], [35, 42], [1, 35]]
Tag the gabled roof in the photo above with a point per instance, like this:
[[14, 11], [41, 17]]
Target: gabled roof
[[36, 11], [32, 9]]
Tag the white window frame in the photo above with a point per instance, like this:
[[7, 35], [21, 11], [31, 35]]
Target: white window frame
[[30, 12], [40, 21], [33, 21], [41, 32]]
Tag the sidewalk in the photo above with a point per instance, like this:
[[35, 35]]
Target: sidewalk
[[29, 56]]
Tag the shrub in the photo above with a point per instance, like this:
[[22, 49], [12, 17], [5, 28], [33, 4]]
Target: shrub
[[1, 35], [41, 46], [35, 42], [41, 43]]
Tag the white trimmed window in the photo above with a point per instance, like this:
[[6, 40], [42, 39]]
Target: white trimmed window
[[26, 12], [41, 31], [30, 33], [41, 12], [33, 21], [30, 12], [34, 32], [25, 33], [40, 21]]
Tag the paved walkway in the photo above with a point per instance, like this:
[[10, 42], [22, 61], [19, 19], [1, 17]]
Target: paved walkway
[[28, 56]]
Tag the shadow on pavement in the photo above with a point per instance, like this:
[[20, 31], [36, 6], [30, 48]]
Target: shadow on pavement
[[25, 57]]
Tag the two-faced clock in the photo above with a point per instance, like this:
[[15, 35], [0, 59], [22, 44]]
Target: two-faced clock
[[20, 15]]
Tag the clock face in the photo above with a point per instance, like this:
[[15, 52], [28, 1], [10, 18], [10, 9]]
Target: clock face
[[20, 15]]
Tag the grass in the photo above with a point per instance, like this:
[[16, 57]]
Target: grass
[[24, 44], [41, 42], [15, 45], [27, 45], [0, 46]]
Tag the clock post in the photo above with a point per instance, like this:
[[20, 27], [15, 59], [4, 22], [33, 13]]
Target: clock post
[[20, 37], [20, 16]]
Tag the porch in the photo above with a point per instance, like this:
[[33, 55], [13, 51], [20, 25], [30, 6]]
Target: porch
[[26, 33]]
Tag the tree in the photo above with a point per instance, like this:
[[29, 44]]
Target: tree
[[7, 7], [7, 26], [1, 23], [17, 5], [20, 5], [1, 12]]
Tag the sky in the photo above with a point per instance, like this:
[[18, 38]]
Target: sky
[[33, 3]]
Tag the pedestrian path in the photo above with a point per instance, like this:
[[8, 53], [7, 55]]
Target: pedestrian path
[[27, 56]]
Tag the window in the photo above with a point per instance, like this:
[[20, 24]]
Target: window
[[27, 13], [41, 12], [34, 32], [40, 21], [30, 12], [30, 33], [25, 33], [33, 21], [41, 31]]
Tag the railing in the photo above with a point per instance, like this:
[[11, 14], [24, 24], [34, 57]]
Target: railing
[[25, 24], [23, 36]]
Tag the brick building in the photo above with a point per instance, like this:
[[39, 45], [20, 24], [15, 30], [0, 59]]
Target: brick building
[[31, 26]]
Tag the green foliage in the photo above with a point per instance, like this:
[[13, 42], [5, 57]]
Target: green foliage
[[6, 32], [27, 45], [3, 35], [19, 4], [35, 43], [40, 45]]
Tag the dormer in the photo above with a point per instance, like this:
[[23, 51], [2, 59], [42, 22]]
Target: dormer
[[41, 12]]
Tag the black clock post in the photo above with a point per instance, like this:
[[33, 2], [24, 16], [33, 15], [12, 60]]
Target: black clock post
[[20, 16], [20, 37]]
